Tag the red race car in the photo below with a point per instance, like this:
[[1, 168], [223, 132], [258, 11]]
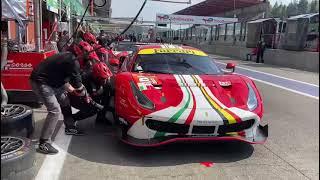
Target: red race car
[[168, 93]]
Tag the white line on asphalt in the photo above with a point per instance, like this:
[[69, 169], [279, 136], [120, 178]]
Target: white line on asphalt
[[275, 85], [52, 165], [272, 75]]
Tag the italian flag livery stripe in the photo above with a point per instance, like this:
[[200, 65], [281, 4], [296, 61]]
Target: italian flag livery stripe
[[193, 110], [227, 116], [177, 115], [188, 106]]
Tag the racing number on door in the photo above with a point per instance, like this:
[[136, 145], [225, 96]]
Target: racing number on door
[[144, 80]]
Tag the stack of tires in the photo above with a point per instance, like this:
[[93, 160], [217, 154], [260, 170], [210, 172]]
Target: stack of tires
[[17, 153]]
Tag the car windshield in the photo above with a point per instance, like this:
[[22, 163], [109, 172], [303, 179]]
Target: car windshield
[[125, 46], [175, 63]]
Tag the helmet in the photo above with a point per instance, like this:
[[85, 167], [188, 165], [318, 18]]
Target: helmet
[[100, 49], [82, 48], [100, 71], [110, 53], [90, 38]]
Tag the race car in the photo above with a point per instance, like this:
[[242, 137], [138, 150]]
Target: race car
[[170, 93]]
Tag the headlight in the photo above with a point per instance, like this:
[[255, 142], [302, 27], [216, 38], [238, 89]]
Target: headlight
[[252, 102], [141, 98]]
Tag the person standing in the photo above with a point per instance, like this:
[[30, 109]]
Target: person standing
[[102, 39], [134, 38], [50, 81], [130, 37], [260, 50], [62, 41]]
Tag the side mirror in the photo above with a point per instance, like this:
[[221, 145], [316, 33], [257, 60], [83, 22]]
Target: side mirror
[[114, 62], [231, 66]]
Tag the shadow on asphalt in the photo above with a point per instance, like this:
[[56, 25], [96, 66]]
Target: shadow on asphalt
[[101, 146]]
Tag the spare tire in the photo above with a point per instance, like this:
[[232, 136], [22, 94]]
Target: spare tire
[[17, 158], [15, 117]]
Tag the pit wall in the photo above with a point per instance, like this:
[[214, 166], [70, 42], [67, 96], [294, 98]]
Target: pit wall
[[303, 60]]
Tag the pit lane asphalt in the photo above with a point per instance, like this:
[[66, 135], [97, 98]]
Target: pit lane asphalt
[[291, 151]]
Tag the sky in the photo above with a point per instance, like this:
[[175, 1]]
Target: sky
[[129, 8]]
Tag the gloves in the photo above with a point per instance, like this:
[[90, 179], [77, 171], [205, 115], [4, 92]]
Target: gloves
[[88, 99], [98, 92], [80, 92], [82, 95]]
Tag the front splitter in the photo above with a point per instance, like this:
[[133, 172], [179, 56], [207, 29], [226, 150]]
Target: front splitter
[[260, 137]]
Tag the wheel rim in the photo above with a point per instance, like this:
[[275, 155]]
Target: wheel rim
[[11, 144], [11, 110]]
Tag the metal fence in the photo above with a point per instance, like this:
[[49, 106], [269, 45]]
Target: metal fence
[[236, 33]]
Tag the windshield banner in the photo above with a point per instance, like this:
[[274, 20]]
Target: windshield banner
[[172, 50], [184, 19]]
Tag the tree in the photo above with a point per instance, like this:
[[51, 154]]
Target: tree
[[292, 8], [283, 11], [314, 6], [274, 10], [303, 7]]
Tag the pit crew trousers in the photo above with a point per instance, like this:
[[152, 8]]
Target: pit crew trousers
[[56, 101]]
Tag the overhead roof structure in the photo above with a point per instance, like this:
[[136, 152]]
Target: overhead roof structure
[[303, 16], [212, 7], [263, 20]]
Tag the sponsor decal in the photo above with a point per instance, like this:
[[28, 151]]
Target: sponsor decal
[[172, 50], [167, 50], [11, 155], [14, 66], [146, 82], [186, 19], [207, 123], [164, 17], [225, 83], [207, 20]]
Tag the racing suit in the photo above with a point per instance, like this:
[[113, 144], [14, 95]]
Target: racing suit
[[99, 94]]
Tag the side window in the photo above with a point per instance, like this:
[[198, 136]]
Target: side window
[[124, 65], [128, 63]]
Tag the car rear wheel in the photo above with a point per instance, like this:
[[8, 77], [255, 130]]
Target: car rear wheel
[[17, 158]]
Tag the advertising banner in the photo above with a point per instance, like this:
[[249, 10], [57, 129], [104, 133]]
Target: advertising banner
[[184, 19]]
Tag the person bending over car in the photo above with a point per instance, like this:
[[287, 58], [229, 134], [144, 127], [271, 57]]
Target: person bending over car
[[50, 81]]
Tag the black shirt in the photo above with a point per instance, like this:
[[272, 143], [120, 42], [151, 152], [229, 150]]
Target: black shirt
[[58, 69], [102, 41]]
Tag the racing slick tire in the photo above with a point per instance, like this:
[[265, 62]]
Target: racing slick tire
[[17, 158], [16, 117]]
